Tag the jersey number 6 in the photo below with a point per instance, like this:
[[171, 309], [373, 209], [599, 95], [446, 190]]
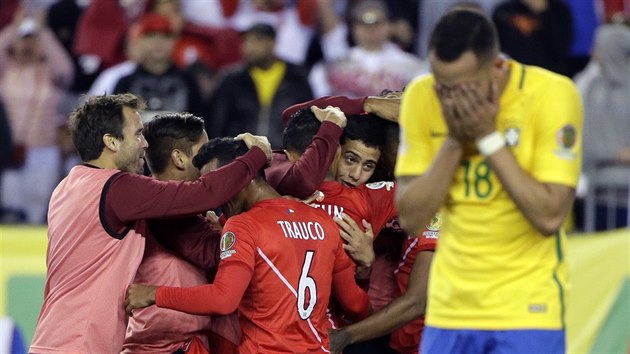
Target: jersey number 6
[[306, 283]]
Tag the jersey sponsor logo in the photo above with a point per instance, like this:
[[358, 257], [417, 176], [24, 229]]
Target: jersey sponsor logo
[[566, 138], [512, 136], [301, 230], [227, 242], [379, 185]]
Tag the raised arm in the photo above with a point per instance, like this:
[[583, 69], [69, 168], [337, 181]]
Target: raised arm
[[544, 195], [128, 197], [302, 177]]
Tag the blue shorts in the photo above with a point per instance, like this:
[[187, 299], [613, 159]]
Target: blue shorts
[[460, 341]]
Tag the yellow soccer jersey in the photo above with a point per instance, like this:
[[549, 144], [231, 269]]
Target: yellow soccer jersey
[[492, 269]]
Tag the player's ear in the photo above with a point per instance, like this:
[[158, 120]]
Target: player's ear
[[178, 158], [111, 142]]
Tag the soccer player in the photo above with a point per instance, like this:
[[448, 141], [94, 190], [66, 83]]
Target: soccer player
[[417, 250], [97, 223], [174, 139], [497, 145], [301, 178], [280, 258]]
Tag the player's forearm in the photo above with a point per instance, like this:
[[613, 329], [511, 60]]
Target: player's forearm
[[352, 299], [419, 198], [303, 177], [221, 297], [395, 315], [402, 310], [545, 205]]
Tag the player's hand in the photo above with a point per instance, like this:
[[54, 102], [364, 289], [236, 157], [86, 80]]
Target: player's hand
[[386, 107], [358, 243], [330, 114], [476, 109], [213, 218], [455, 127], [139, 296], [339, 340], [256, 140]]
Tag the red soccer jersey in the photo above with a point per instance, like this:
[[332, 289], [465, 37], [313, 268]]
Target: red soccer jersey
[[373, 202], [406, 339], [294, 255]]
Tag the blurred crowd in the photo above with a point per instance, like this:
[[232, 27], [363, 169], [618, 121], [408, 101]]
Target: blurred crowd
[[240, 63]]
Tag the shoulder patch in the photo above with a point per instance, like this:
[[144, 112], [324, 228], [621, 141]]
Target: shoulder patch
[[227, 242], [566, 137], [433, 229]]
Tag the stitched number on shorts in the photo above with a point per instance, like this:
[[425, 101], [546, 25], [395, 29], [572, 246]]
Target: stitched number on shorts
[[482, 183], [306, 284]]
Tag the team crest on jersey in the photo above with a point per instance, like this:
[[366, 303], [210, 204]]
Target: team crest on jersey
[[566, 138], [227, 242], [379, 185], [433, 229], [512, 136]]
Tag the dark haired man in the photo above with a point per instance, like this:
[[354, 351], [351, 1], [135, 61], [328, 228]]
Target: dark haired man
[[274, 252], [373, 203], [497, 145], [186, 260], [97, 223], [251, 97]]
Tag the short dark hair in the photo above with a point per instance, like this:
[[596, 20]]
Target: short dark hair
[[97, 116], [300, 130], [366, 128], [170, 131], [461, 30], [225, 150]]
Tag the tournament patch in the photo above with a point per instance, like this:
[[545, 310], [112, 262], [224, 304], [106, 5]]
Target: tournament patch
[[227, 242], [566, 138], [433, 229]]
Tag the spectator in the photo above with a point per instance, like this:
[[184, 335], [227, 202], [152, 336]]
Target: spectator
[[536, 32], [35, 70], [373, 63], [605, 89], [63, 18], [253, 96], [585, 21], [430, 11], [156, 79], [6, 142]]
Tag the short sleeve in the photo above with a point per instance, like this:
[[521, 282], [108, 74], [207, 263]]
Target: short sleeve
[[558, 124], [238, 244], [414, 152], [381, 199]]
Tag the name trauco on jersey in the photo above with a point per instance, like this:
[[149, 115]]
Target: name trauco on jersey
[[302, 230]]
